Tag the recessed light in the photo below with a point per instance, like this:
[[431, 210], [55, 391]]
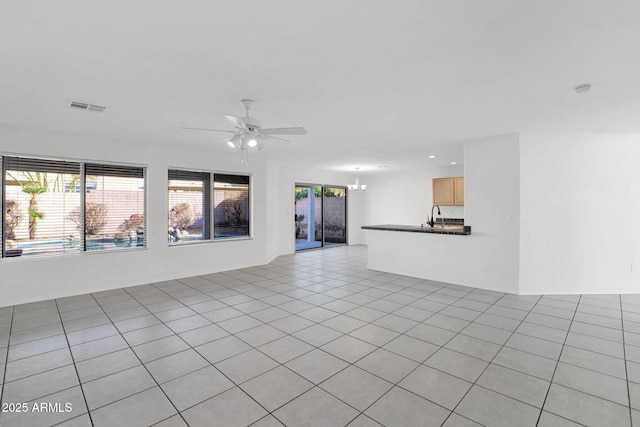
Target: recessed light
[[382, 166], [453, 163], [432, 156]]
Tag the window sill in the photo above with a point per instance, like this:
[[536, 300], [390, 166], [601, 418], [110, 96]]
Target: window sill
[[204, 242], [23, 258]]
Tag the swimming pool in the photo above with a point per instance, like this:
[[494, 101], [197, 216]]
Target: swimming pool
[[69, 245]]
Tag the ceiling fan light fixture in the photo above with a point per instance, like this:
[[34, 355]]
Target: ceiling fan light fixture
[[248, 133], [235, 141]]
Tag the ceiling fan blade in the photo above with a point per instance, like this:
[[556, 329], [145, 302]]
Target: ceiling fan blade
[[237, 121], [284, 131], [211, 130], [264, 137]]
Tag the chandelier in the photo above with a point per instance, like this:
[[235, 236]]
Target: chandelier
[[357, 186]]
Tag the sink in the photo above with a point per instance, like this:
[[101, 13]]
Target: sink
[[446, 227]]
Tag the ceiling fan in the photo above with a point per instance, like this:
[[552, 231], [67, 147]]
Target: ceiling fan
[[248, 135]]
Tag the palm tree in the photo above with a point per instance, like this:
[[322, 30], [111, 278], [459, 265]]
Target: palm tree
[[38, 183], [34, 214], [34, 185]]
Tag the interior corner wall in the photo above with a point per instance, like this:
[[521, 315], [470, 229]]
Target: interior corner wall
[[579, 229], [25, 279]]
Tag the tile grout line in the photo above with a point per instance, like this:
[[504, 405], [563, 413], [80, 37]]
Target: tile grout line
[[75, 367], [544, 402], [6, 357], [626, 371]]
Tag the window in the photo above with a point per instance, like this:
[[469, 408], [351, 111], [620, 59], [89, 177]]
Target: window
[[45, 211], [196, 206], [231, 206], [38, 203], [189, 206], [114, 210]]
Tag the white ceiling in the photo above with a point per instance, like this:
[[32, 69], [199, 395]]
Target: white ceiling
[[374, 82]]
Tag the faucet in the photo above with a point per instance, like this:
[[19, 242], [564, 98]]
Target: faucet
[[432, 221]]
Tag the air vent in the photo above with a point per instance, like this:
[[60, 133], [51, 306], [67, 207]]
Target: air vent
[[86, 107]]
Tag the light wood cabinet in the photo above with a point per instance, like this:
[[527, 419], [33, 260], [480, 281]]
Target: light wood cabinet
[[458, 191], [448, 191], [443, 191]]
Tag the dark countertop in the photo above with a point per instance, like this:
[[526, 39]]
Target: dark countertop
[[437, 229]]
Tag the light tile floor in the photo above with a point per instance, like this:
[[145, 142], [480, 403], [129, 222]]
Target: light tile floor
[[317, 339]]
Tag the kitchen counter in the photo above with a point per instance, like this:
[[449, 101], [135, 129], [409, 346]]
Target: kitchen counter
[[458, 230]]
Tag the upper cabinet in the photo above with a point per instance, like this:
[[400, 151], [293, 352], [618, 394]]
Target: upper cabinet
[[458, 191], [448, 191], [443, 192]]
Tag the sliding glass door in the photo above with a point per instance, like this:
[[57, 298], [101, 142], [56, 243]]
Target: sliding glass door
[[335, 215], [320, 216]]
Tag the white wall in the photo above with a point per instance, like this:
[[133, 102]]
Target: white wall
[[580, 211], [26, 279], [492, 209]]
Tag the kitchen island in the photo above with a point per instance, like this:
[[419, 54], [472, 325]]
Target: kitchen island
[[450, 254]]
